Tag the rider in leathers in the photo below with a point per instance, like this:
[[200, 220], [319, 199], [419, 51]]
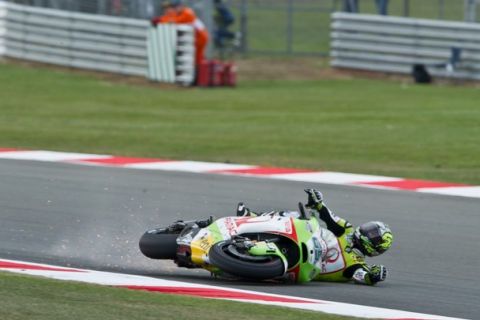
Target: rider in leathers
[[347, 246]]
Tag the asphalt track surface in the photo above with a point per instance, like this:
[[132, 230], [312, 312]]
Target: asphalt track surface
[[92, 217]]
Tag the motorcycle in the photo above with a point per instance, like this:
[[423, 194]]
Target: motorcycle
[[269, 246]]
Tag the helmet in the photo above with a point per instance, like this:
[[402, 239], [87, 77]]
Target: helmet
[[373, 238]]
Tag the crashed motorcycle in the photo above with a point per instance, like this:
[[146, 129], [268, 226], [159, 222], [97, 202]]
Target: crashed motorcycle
[[269, 246]]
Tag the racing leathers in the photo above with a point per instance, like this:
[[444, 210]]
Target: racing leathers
[[344, 262]]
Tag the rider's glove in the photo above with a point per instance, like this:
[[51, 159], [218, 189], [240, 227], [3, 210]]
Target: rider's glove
[[378, 273], [315, 199]]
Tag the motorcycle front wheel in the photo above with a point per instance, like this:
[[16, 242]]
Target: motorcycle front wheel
[[226, 257], [159, 244]]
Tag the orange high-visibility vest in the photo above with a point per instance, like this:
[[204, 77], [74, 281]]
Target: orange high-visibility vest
[[185, 15]]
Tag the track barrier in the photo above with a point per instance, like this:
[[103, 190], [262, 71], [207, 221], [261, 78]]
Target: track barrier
[[396, 44], [96, 42], [171, 53]]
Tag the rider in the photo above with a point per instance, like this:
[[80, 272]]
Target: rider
[[347, 246]]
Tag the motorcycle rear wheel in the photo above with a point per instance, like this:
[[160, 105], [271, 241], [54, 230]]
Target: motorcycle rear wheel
[[158, 244], [255, 268]]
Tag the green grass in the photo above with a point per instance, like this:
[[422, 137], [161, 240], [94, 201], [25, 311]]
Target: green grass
[[25, 297], [349, 125], [423, 9], [267, 31], [267, 21]]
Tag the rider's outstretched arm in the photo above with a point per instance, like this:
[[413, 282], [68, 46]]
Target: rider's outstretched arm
[[334, 223], [365, 274]]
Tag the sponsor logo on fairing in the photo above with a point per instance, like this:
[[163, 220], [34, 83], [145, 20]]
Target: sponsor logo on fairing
[[288, 226], [231, 226], [318, 250]]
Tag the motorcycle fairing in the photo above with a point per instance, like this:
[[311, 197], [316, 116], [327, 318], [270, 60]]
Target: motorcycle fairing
[[225, 228]]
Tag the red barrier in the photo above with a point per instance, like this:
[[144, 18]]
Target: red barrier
[[230, 75], [203, 76], [215, 73]]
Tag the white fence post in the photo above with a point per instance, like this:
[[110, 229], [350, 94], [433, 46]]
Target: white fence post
[[161, 44], [171, 53]]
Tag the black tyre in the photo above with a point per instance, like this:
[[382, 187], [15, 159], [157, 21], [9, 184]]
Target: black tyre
[[253, 267], [158, 244]]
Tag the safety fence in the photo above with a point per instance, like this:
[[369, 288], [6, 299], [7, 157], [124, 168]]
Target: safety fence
[[293, 27], [119, 45], [76, 40], [3, 31], [394, 44], [86, 41]]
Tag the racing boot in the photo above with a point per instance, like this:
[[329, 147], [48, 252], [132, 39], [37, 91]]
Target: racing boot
[[243, 211]]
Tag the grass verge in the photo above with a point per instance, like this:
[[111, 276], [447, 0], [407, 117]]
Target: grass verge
[[341, 124], [26, 297], [271, 29]]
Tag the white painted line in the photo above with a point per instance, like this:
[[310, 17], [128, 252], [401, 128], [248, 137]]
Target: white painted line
[[188, 166], [52, 156], [473, 192], [332, 177]]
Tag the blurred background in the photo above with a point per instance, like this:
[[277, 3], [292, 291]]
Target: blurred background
[[284, 27]]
